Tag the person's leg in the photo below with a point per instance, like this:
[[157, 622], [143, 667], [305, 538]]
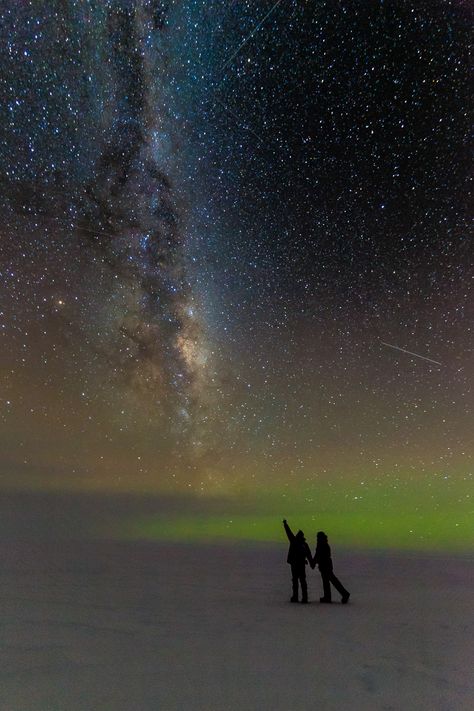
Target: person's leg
[[304, 586], [294, 581], [326, 587], [339, 587]]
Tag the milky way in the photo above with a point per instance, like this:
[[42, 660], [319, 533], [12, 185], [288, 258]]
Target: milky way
[[214, 216], [133, 215]]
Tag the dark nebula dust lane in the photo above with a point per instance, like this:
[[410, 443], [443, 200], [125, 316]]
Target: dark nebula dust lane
[[235, 249], [133, 220]]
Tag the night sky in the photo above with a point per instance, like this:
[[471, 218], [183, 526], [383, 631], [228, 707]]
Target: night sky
[[236, 256]]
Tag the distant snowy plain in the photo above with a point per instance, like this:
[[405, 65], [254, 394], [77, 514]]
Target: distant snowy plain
[[114, 626]]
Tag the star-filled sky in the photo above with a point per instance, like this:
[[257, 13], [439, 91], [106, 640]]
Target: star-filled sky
[[235, 252]]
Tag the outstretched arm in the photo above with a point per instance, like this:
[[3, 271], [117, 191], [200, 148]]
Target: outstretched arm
[[288, 530]]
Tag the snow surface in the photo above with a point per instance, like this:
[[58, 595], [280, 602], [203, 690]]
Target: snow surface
[[137, 626]]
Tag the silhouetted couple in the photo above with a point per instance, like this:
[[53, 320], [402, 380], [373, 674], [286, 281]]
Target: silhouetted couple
[[299, 555]]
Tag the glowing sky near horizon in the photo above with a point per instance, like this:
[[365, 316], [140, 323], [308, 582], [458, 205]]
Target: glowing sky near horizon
[[214, 217]]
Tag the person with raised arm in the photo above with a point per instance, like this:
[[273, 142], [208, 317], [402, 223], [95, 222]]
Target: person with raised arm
[[298, 555]]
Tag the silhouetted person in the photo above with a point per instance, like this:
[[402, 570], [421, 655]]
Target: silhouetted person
[[322, 558], [298, 554]]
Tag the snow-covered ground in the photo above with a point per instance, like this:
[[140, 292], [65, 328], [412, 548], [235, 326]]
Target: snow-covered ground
[[137, 626]]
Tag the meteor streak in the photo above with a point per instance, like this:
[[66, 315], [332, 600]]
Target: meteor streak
[[250, 35], [417, 355]]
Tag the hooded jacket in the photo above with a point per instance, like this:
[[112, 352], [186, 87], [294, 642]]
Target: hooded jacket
[[322, 557], [298, 552]]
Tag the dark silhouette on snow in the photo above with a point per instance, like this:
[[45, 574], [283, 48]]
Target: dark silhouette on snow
[[298, 554], [322, 558]]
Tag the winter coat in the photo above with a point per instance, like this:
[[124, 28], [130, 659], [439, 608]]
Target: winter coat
[[298, 552], [322, 557]]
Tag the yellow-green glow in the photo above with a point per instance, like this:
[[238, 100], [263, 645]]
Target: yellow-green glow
[[414, 511], [347, 530], [437, 515]]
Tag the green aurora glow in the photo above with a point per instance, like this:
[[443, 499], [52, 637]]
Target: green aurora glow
[[408, 518]]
